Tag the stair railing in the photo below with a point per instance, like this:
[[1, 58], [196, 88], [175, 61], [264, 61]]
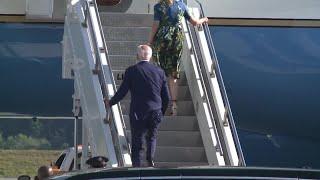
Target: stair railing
[[220, 139], [104, 74], [228, 117], [205, 97]]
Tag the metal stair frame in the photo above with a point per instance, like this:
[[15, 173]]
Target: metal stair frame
[[86, 56], [229, 149], [209, 136]]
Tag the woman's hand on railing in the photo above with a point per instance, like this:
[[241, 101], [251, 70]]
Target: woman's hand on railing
[[196, 21], [204, 20]]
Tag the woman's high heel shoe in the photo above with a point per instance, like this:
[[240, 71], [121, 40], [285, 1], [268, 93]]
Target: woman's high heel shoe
[[174, 108]]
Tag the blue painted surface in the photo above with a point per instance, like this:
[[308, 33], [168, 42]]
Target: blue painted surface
[[30, 70], [272, 76]]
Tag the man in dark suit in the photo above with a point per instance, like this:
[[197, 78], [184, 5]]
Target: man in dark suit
[[149, 101]]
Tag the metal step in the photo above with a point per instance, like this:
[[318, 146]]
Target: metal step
[[177, 138], [123, 48], [126, 20], [179, 154], [179, 164], [119, 62], [174, 123], [185, 108], [126, 33]]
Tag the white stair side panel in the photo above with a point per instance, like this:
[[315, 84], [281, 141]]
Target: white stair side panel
[[205, 122], [90, 92], [218, 100]]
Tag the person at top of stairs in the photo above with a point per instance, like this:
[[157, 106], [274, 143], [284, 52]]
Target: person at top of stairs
[[149, 100], [108, 2], [167, 40]]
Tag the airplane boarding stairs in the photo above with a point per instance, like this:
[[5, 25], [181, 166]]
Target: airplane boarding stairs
[[98, 47], [179, 140]]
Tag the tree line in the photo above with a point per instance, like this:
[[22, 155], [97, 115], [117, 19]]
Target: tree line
[[36, 134]]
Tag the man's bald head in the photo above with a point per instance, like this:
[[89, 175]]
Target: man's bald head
[[44, 172], [144, 52]]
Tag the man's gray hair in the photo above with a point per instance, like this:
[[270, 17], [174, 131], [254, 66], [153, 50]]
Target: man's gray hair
[[144, 52]]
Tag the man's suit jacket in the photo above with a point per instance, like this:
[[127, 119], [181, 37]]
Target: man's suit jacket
[[148, 87]]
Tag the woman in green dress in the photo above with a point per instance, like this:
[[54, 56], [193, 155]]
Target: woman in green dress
[[167, 39]]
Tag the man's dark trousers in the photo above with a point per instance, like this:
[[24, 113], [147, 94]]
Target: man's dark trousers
[[144, 129]]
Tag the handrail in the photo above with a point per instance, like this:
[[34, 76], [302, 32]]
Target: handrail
[[219, 146], [222, 88], [99, 70], [109, 63]]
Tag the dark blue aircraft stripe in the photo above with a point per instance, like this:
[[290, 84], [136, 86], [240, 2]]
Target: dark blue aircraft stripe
[[31, 33]]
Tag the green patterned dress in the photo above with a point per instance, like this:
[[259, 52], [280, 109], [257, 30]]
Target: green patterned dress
[[168, 41]]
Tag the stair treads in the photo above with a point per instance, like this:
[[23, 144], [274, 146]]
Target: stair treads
[[161, 164], [174, 123], [180, 154], [126, 33], [126, 20], [124, 48], [177, 138], [185, 108], [121, 63]]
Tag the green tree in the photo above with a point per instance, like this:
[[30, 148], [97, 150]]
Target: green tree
[[2, 141], [22, 141], [36, 127]]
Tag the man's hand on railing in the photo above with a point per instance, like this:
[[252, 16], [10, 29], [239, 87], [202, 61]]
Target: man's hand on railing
[[108, 109], [106, 101]]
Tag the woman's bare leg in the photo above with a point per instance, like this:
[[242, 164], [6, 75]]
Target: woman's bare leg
[[173, 88]]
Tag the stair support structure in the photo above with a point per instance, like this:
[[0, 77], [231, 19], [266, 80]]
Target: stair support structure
[[86, 58]]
